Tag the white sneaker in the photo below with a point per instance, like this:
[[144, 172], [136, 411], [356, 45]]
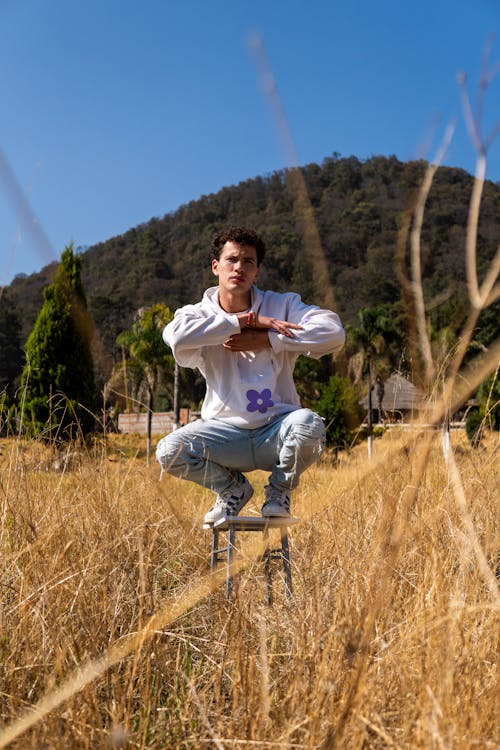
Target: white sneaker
[[277, 502], [231, 501]]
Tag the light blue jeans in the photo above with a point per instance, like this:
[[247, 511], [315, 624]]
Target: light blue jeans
[[209, 452]]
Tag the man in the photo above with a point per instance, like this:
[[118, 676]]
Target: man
[[245, 343]]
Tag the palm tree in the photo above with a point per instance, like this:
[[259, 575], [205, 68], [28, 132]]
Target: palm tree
[[370, 339], [148, 354]]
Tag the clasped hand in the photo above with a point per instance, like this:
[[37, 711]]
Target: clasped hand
[[256, 338]]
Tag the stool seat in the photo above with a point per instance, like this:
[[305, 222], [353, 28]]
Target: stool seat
[[231, 524], [253, 523]]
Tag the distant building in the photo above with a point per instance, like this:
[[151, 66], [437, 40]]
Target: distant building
[[400, 399]]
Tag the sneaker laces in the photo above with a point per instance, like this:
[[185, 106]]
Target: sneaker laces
[[274, 495], [227, 500]]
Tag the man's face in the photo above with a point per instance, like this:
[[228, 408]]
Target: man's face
[[236, 268]]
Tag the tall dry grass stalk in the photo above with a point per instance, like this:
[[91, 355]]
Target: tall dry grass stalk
[[114, 633], [303, 209]]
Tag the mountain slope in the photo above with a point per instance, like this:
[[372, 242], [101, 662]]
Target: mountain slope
[[357, 208]]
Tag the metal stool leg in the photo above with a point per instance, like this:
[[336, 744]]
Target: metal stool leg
[[285, 553], [215, 549], [266, 559], [229, 526], [231, 534]]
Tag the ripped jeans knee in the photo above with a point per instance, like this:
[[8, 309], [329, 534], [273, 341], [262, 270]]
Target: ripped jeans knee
[[170, 454], [303, 442], [309, 438]]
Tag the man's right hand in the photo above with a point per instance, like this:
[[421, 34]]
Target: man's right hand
[[269, 324]]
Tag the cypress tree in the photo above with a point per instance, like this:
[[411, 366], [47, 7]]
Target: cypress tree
[[58, 377]]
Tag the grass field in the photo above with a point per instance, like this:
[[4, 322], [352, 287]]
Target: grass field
[[114, 634]]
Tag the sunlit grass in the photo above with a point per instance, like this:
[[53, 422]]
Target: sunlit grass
[[388, 642]]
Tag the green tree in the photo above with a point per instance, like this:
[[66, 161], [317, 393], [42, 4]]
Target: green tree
[[11, 354], [148, 356], [339, 407], [377, 337], [373, 338], [310, 376], [379, 340], [368, 338], [58, 378]]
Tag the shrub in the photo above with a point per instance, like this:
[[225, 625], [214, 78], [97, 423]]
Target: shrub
[[339, 407]]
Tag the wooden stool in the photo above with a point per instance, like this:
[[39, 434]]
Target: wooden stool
[[230, 525]]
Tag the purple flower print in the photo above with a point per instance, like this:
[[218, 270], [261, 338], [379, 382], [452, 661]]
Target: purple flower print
[[259, 401]]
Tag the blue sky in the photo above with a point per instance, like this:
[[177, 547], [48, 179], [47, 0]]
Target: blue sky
[[114, 111]]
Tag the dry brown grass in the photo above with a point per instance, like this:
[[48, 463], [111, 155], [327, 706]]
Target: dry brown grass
[[110, 629]]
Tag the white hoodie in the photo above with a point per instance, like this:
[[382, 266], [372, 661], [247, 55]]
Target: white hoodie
[[249, 389]]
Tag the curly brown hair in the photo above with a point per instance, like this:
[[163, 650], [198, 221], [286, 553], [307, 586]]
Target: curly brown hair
[[241, 235]]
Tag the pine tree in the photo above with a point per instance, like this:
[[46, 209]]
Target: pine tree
[[58, 377]]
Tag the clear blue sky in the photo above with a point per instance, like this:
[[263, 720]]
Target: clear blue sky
[[115, 111]]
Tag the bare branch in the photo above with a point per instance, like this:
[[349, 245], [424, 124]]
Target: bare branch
[[469, 117], [471, 235], [415, 244], [490, 279], [303, 208], [492, 136], [474, 124]]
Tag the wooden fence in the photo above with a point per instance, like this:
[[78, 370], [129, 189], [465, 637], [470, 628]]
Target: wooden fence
[[162, 421]]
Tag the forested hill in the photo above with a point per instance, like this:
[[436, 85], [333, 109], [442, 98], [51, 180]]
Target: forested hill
[[357, 206]]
